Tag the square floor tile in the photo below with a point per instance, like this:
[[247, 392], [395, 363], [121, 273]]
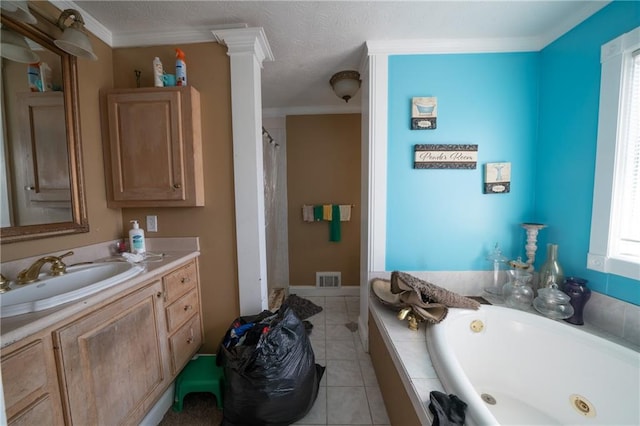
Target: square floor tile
[[343, 373], [376, 405], [340, 349], [348, 406], [338, 332], [368, 373], [336, 317]]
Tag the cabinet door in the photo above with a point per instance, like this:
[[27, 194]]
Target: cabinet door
[[30, 384], [146, 145], [113, 361], [43, 146]]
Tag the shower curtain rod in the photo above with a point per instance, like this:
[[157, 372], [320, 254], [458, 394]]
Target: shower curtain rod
[[268, 135]]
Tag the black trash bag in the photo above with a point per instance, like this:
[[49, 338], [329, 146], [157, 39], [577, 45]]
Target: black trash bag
[[271, 377]]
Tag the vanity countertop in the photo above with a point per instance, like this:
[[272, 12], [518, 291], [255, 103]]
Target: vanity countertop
[[18, 327]]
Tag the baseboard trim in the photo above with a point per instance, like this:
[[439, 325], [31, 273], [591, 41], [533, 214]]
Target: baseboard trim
[[157, 412], [312, 291]]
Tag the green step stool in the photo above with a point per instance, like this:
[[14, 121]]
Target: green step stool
[[200, 375]]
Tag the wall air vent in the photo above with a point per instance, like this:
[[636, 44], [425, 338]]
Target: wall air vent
[[328, 279]]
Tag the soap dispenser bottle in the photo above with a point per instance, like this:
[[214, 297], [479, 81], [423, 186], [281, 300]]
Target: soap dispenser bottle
[[136, 239]]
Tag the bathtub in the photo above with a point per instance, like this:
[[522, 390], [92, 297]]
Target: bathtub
[[513, 367]]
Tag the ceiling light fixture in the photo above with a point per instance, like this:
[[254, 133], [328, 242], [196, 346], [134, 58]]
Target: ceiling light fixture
[[345, 84], [15, 48], [74, 40]]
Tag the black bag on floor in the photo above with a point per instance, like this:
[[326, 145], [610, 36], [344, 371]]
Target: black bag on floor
[[271, 377]]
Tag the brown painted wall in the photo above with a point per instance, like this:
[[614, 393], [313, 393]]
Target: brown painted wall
[[323, 167], [208, 71], [104, 224]]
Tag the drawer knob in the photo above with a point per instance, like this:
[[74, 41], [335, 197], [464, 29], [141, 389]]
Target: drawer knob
[[184, 280], [190, 340], [177, 185], [159, 294], [188, 307]]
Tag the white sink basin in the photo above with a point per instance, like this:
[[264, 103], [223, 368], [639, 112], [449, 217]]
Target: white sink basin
[[78, 282]]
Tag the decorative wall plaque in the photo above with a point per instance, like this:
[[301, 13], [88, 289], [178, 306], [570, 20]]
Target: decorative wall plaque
[[440, 156], [424, 113], [497, 178]]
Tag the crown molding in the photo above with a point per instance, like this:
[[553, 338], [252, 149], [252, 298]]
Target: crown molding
[[144, 38], [446, 46]]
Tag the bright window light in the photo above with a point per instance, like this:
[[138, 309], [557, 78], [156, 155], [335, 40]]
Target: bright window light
[[615, 225]]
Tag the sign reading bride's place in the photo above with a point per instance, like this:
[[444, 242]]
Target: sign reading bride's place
[[445, 156]]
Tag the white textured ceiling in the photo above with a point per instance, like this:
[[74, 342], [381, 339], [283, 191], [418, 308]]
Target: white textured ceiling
[[311, 40]]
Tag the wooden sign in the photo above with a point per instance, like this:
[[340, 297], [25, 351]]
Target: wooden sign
[[442, 156]]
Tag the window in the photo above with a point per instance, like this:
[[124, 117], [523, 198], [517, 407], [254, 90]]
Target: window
[[615, 224]]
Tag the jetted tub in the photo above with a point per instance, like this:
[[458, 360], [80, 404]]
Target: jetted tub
[[516, 368]]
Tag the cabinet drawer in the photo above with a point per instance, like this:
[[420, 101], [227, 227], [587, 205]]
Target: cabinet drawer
[[179, 282], [184, 344], [179, 311], [24, 374]]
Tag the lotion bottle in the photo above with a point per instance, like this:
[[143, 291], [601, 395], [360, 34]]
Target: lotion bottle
[[136, 239]]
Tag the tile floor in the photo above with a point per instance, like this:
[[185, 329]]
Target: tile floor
[[349, 393]]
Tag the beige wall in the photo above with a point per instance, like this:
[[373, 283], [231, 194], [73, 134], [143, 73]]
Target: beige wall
[[208, 71], [323, 167], [104, 224]]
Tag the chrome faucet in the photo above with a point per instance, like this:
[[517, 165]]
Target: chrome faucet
[[58, 267]]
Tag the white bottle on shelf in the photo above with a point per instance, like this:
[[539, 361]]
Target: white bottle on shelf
[[157, 72]]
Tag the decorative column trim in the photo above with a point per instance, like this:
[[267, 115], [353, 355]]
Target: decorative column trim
[[248, 48], [245, 41]]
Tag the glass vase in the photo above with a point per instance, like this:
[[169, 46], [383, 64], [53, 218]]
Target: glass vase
[[551, 271]]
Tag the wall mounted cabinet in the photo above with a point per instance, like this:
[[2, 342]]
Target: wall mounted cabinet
[[153, 147]]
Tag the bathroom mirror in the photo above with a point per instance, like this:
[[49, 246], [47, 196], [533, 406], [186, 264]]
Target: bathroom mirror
[[41, 177]]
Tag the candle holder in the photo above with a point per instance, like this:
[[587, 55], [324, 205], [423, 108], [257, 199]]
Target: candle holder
[[532, 238]]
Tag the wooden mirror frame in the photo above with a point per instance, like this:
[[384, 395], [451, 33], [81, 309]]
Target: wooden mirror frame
[[79, 220]]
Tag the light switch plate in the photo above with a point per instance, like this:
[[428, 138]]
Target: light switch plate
[[152, 223]]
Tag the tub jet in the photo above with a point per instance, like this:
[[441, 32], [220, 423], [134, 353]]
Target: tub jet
[[488, 399]]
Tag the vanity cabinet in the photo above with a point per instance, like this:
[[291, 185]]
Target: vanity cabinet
[[30, 383], [109, 363], [112, 360], [153, 147], [182, 312]]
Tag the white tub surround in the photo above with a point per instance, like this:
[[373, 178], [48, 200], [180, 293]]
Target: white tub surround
[[408, 351], [604, 316]]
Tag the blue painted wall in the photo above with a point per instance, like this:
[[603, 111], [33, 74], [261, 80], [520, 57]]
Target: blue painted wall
[[440, 219], [537, 110], [565, 166]]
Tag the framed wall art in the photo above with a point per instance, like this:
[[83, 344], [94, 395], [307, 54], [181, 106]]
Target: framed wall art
[[424, 113], [497, 178]]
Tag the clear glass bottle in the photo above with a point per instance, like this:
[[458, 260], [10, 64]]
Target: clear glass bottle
[[551, 271], [517, 292]]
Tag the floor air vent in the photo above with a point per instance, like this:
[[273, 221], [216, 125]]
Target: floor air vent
[[328, 279]]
